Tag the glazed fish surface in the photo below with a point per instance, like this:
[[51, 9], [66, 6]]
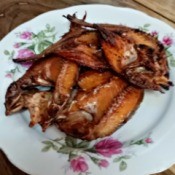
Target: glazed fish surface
[[95, 76]]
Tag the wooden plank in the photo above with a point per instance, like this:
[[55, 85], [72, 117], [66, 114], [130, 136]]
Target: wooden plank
[[172, 169], [162, 7], [16, 12], [6, 168], [167, 172]]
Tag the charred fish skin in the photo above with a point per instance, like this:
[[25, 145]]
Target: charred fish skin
[[87, 126], [118, 113], [94, 102], [65, 82], [91, 79], [42, 73], [13, 101], [151, 73], [96, 73], [89, 107]]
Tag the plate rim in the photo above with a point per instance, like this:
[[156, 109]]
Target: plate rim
[[79, 6]]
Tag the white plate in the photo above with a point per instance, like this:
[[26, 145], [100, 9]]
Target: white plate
[[145, 143]]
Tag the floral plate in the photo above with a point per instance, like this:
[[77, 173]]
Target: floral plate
[[144, 145]]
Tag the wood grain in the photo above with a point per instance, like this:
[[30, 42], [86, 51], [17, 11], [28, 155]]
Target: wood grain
[[162, 7], [6, 167], [15, 12]]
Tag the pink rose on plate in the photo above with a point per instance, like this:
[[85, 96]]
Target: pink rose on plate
[[9, 75], [108, 147], [103, 163], [16, 45], [25, 53], [79, 164], [154, 33], [167, 41], [26, 35], [148, 140]]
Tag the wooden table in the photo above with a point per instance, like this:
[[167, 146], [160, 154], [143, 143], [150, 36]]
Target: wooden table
[[15, 12]]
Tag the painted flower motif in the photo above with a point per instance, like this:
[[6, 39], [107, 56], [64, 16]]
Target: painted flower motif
[[79, 164], [167, 41], [16, 45], [9, 75], [148, 140], [26, 35], [108, 147], [78, 151], [25, 53], [103, 163], [154, 33]]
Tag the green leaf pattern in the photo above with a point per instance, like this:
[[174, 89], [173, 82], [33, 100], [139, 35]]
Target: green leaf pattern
[[36, 44], [75, 147], [123, 165], [145, 27], [9, 54]]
